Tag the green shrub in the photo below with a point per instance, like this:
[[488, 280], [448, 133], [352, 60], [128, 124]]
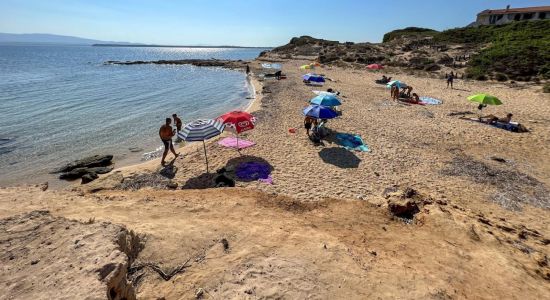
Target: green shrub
[[481, 77], [546, 88], [409, 31]]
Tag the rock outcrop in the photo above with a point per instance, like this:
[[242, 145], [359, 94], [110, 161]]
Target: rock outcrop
[[47, 257], [86, 168], [223, 63]]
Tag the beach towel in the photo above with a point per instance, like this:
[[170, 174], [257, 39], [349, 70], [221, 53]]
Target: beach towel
[[324, 93], [231, 142], [351, 142], [251, 171], [271, 66], [430, 101]]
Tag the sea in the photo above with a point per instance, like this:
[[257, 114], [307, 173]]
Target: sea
[[60, 103]]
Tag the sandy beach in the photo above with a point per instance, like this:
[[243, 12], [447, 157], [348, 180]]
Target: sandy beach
[[322, 230]]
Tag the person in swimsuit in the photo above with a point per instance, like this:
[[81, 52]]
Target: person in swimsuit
[[415, 98], [490, 119], [308, 122], [166, 133], [394, 92], [177, 121]]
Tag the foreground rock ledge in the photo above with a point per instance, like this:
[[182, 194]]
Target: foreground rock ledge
[[47, 257]]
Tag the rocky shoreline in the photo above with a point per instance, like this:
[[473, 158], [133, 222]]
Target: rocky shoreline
[[223, 63]]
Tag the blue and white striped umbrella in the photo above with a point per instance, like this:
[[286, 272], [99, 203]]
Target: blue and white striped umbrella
[[201, 130]]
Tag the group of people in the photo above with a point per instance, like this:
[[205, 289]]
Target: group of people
[[166, 133], [404, 93]]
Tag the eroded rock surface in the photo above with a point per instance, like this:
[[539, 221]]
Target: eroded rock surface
[[47, 257]]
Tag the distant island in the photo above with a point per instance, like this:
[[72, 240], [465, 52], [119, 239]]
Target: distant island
[[172, 46], [45, 38]]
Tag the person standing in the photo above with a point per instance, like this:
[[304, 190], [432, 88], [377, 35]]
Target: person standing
[[247, 69], [166, 133], [450, 80], [177, 121]]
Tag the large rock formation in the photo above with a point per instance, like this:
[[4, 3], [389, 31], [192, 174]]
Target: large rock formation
[[47, 257]]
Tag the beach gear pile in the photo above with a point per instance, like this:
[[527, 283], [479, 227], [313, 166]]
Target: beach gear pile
[[252, 171]]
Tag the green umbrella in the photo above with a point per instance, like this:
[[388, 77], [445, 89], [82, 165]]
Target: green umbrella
[[485, 99]]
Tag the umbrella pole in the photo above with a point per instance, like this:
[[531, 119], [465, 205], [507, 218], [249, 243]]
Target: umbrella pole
[[205, 157]]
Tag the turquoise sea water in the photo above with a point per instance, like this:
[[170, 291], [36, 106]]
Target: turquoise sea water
[[60, 103]]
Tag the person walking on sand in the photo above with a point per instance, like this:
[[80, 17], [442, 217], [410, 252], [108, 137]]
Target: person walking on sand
[[166, 133], [177, 121], [247, 69], [450, 80]]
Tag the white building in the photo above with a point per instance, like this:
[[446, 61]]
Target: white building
[[503, 16]]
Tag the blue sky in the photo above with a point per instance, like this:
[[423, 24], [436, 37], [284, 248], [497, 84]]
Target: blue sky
[[237, 22]]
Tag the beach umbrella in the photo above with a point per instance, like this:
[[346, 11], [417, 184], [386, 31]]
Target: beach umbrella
[[326, 100], [240, 121], [375, 67], [201, 130], [398, 83], [485, 99], [313, 77], [320, 112]]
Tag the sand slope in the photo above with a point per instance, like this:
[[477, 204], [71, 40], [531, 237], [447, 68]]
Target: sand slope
[[279, 247]]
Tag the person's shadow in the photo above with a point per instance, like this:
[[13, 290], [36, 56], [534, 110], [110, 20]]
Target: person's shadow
[[169, 170]]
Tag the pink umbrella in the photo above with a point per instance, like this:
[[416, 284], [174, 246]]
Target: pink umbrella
[[375, 67]]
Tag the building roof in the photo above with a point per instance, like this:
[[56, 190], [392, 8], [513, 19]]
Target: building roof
[[516, 10]]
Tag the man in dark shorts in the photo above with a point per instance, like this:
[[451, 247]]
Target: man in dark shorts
[[177, 121], [450, 80], [166, 133]]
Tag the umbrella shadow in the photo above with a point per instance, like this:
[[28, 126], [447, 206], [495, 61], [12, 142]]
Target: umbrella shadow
[[340, 157], [246, 168], [203, 181]]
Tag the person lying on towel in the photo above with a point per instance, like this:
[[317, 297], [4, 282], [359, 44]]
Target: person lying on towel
[[490, 119]]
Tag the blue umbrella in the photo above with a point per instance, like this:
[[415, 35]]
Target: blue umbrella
[[398, 83], [320, 112], [313, 78], [326, 100], [201, 130]]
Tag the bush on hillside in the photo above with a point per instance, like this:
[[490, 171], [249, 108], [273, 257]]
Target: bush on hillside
[[546, 88], [409, 31]]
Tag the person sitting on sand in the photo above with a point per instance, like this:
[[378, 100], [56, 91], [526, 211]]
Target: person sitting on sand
[[308, 122], [491, 119], [415, 98], [406, 92], [166, 133]]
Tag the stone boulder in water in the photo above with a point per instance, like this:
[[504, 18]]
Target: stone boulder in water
[[87, 167]]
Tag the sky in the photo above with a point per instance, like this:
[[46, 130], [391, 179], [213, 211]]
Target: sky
[[238, 22]]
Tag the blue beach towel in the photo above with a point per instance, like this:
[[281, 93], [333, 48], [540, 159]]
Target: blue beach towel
[[351, 142], [251, 171], [430, 101]]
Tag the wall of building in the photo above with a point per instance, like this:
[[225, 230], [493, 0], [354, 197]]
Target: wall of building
[[497, 19]]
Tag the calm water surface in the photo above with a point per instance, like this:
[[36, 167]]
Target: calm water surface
[[60, 103]]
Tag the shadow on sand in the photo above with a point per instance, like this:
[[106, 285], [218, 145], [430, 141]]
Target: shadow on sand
[[340, 157]]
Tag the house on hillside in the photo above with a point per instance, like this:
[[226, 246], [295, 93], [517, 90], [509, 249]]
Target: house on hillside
[[504, 16]]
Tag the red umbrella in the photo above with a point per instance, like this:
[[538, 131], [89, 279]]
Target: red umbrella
[[238, 120], [375, 67]]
